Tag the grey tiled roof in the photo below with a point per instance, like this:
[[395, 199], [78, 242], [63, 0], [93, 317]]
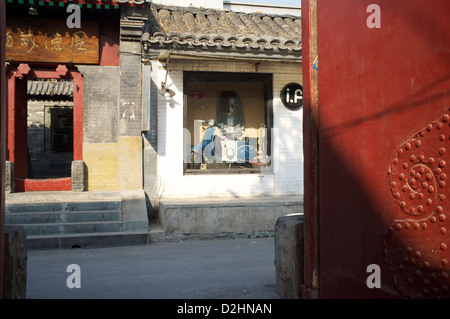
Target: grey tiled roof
[[81, 3], [49, 87], [130, 1], [223, 32]]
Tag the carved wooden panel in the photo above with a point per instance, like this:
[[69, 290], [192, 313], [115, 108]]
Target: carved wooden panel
[[50, 40]]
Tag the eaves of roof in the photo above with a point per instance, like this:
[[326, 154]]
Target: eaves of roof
[[223, 33], [49, 88], [101, 3]]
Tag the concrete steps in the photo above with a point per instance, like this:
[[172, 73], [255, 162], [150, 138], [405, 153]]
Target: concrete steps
[[66, 219]]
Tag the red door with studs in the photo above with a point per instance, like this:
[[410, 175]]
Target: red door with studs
[[377, 148]]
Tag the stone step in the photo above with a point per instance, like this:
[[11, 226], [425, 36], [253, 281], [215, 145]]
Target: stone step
[[88, 219], [45, 207], [71, 228], [87, 240], [61, 196], [62, 217]]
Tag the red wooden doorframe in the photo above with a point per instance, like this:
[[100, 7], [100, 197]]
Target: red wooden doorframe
[[310, 288], [17, 126], [376, 127]]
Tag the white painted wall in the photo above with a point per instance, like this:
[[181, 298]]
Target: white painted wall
[[274, 8], [213, 4], [286, 180], [236, 6]]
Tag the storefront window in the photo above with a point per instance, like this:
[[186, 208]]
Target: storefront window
[[227, 122]]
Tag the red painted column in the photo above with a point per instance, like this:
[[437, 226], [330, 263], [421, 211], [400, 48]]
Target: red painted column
[[17, 124], [78, 120], [2, 140], [20, 129], [10, 115]]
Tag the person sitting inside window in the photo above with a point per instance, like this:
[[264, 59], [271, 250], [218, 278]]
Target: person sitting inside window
[[230, 115]]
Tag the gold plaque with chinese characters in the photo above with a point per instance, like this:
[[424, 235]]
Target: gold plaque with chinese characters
[[50, 40]]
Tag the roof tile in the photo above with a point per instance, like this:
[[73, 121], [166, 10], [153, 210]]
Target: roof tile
[[208, 30], [50, 87]]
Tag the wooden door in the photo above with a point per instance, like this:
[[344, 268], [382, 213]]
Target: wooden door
[[377, 140]]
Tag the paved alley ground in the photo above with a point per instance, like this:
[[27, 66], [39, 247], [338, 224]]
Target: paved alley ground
[[198, 269]]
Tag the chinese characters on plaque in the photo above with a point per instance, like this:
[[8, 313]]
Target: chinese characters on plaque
[[50, 40]]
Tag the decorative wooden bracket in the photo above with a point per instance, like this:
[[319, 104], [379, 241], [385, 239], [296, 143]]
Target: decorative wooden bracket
[[24, 69], [62, 70]]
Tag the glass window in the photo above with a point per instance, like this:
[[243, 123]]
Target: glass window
[[227, 122]]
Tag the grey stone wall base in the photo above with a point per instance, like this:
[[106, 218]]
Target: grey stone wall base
[[79, 176], [134, 210], [9, 177], [289, 256], [15, 272], [248, 216]]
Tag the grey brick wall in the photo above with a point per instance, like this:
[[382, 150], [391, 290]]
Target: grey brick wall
[[101, 97], [130, 105], [151, 135]]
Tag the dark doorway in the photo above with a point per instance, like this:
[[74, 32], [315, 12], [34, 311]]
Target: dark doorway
[[49, 128]]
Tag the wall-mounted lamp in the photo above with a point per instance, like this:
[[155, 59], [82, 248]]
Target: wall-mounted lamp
[[166, 92], [164, 57]]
